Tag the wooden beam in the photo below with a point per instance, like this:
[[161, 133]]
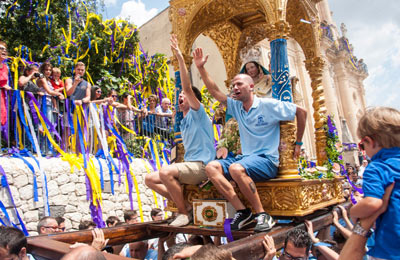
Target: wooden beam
[[117, 235], [52, 249], [196, 230], [251, 248]]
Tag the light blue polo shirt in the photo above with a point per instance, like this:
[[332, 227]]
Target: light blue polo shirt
[[198, 136], [259, 128]]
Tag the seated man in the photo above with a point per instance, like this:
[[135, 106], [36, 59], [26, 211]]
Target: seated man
[[259, 128], [198, 140], [13, 244]]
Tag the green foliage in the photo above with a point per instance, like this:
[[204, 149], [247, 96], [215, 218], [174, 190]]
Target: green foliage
[[110, 49], [332, 165]]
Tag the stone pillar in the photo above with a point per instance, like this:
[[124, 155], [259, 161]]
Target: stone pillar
[[349, 108], [315, 68], [282, 90]]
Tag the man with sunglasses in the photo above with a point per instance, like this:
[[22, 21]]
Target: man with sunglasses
[[297, 246], [47, 225]]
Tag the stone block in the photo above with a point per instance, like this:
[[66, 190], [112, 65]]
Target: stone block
[[81, 179], [58, 200], [107, 206], [25, 193], [80, 189], [31, 216], [52, 187], [74, 217], [55, 211], [70, 209], [67, 188], [73, 177], [62, 178]]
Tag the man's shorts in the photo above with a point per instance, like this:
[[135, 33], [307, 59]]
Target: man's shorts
[[191, 172], [258, 167]]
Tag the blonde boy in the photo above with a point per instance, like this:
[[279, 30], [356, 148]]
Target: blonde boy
[[379, 130]]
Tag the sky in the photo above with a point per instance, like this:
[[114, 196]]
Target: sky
[[373, 27]]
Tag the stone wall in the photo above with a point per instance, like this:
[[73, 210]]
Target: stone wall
[[67, 192]]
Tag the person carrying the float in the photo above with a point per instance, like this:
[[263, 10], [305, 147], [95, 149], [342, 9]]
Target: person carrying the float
[[197, 135], [259, 127]]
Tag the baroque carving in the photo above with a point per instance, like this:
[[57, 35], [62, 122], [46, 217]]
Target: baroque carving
[[281, 198], [226, 36], [315, 68]]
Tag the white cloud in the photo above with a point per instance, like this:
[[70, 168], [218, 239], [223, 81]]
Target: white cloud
[[135, 12], [109, 3]]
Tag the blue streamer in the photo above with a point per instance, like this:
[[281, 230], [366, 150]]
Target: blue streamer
[[101, 173], [21, 223], [35, 186]]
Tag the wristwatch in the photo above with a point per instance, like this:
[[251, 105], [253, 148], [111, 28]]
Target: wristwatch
[[359, 230]]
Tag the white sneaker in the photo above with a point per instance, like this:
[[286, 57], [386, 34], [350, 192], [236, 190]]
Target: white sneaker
[[180, 221]]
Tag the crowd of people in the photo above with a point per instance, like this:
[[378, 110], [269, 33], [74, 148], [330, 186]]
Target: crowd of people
[[46, 83]]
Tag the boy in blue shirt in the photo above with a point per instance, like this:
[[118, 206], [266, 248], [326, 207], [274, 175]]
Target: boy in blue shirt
[[259, 128], [379, 130], [198, 140]]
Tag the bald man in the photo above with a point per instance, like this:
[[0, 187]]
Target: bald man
[[259, 127], [84, 253]]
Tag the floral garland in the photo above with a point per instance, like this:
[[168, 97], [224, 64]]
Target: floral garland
[[331, 168]]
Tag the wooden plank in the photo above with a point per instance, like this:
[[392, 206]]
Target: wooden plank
[[52, 249], [117, 235], [196, 230], [251, 248], [47, 248]]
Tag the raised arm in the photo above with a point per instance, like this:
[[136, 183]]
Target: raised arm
[[200, 60], [194, 103], [301, 116]]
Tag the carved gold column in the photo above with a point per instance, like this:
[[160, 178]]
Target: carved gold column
[[180, 150], [287, 165], [315, 68]]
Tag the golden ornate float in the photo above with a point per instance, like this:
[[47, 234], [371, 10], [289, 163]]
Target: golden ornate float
[[229, 23]]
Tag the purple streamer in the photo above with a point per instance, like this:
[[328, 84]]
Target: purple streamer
[[227, 229]]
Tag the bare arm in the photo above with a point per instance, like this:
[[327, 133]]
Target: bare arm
[[200, 61], [365, 207], [355, 245], [23, 80], [301, 116], [71, 86], [194, 103], [345, 232], [43, 83], [86, 99], [328, 253], [346, 217]]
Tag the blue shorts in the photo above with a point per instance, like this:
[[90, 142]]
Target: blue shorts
[[258, 167]]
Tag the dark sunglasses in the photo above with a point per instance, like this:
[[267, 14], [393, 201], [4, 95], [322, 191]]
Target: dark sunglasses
[[98, 91], [114, 96], [287, 256], [361, 146]]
